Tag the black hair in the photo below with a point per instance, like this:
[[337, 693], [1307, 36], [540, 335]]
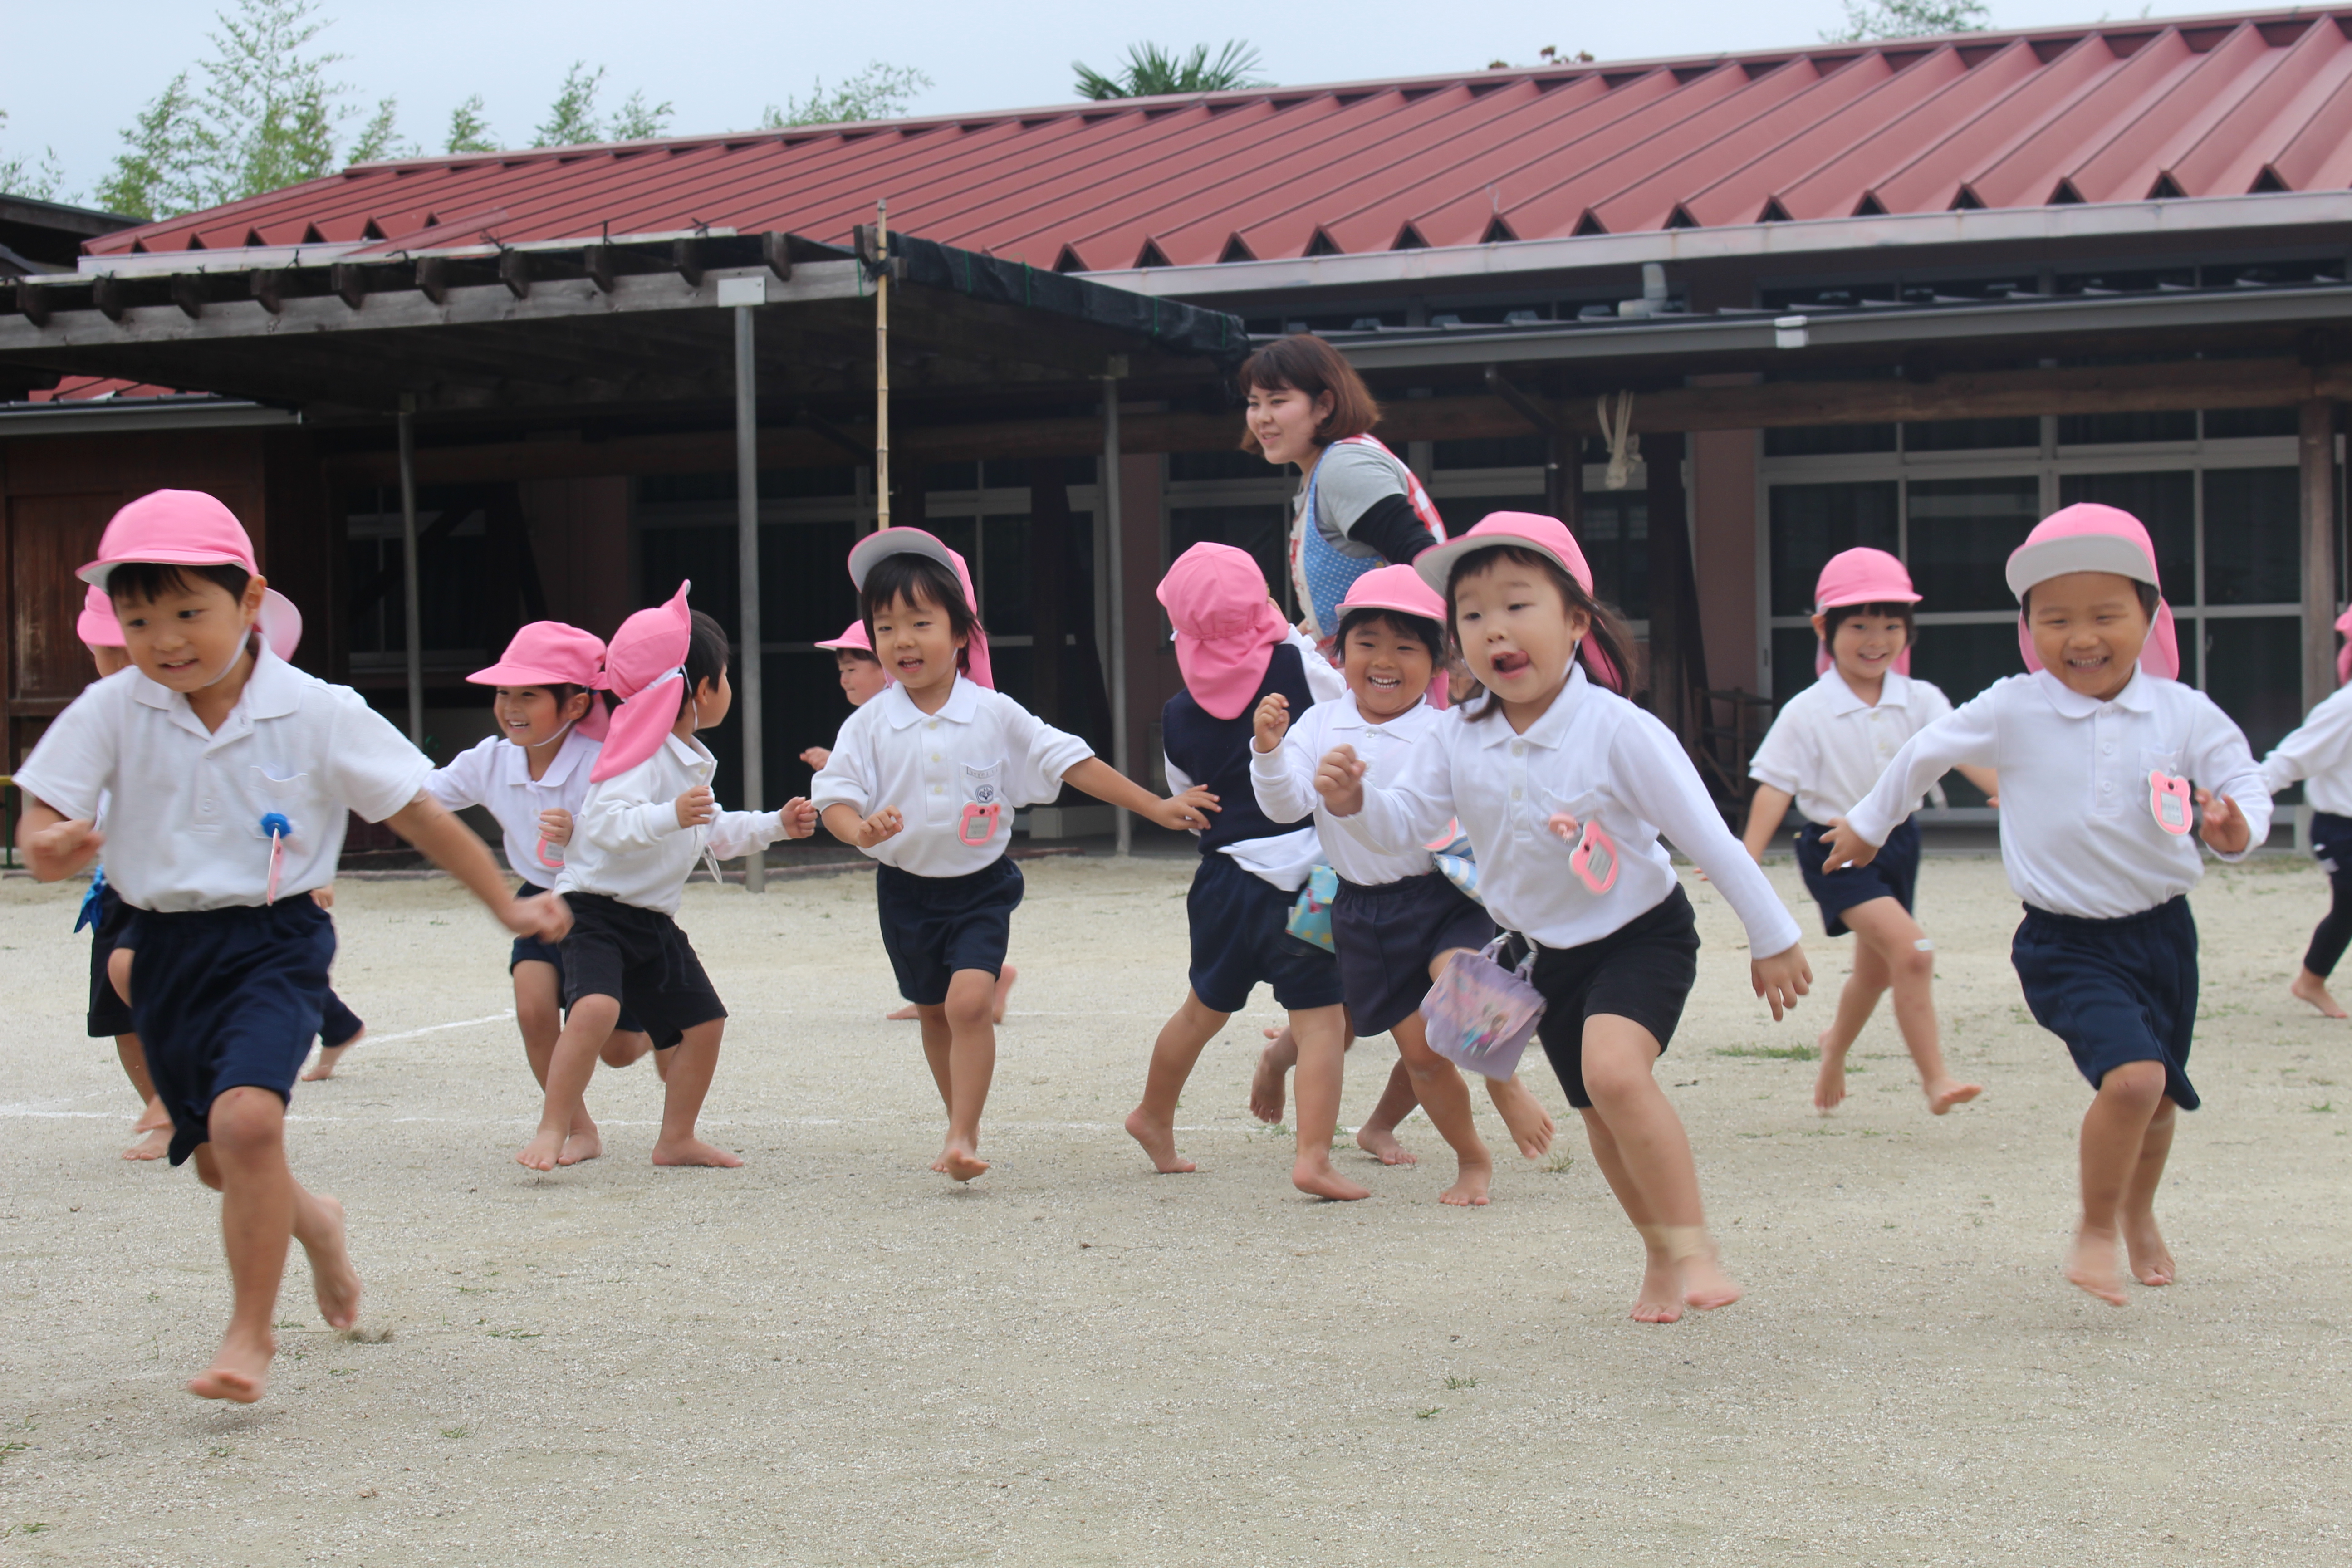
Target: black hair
[[707, 651], [151, 580], [868, 655], [2150, 596], [1837, 616], [919, 580], [1416, 629], [1607, 636]]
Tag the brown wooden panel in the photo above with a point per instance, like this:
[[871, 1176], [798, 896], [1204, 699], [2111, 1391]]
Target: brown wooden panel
[[49, 535]]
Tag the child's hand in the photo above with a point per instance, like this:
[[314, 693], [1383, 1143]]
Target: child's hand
[[2225, 827], [799, 817], [1781, 978], [695, 806], [555, 826], [1189, 809], [1340, 780], [543, 915], [62, 848], [1844, 847], [816, 757], [1272, 721], [884, 824], [324, 897]]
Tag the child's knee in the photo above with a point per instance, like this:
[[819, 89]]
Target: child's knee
[[1912, 961], [2139, 1084], [246, 1119], [971, 998]]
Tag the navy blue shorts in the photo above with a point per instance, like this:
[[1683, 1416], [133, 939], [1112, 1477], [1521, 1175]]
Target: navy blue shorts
[[109, 1013], [1643, 971], [641, 959], [933, 926], [1388, 932], [2117, 991], [1239, 942], [530, 950], [1894, 875], [228, 999]]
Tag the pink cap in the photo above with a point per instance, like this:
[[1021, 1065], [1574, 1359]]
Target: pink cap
[[1226, 627], [2343, 655], [914, 541], [645, 670], [1861, 576], [549, 653], [1530, 530], [98, 626], [189, 527], [852, 637], [2088, 537], [1397, 588]]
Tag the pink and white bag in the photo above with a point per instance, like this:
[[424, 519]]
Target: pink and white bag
[[1481, 1015]]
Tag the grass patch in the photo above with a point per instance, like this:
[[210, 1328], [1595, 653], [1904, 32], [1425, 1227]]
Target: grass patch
[[1560, 1163], [1772, 1053], [1455, 1384], [1428, 1415]]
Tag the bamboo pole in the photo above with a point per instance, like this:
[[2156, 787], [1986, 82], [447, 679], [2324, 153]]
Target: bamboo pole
[[882, 364], [747, 560]]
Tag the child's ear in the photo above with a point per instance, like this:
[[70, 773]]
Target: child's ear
[[1821, 628], [578, 708]]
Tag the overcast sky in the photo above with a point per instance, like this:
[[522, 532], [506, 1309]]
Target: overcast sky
[[721, 64]]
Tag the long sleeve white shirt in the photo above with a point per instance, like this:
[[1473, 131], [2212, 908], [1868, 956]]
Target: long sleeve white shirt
[[2078, 833], [1284, 780], [495, 775], [981, 748], [625, 840], [1600, 759], [1827, 746], [2319, 753]]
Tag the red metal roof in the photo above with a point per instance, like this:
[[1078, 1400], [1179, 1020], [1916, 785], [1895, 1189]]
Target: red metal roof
[[2125, 111]]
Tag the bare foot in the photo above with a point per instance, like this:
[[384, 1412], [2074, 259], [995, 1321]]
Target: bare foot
[[322, 1065], [1381, 1144], [239, 1374], [151, 1118], [1705, 1284], [694, 1152], [1531, 1125], [153, 1146], [1270, 1084], [1159, 1141], [2151, 1260], [581, 1145], [624, 1048], [1946, 1092], [539, 1153], [1660, 1298], [1316, 1177], [1828, 1084], [333, 1279], [958, 1161], [1005, 980], [1471, 1185], [2091, 1266], [2312, 988], [905, 1015]]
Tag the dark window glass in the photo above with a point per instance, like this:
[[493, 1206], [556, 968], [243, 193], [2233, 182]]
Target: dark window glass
[[1970, 435], [1617, 547], [655, 490], [951, 476], [1812, 522], [1793, 661], [785, 484], [2165, 503], [1827, 440], [1462, 512], [1491, 452], [1964, 660], [705, 556], [2253, 669], [1234, 465], [2253, 536], [2117, 429], [805, 592], [1004, 576], [2241, 423], [1260, 530], [1963, 532]]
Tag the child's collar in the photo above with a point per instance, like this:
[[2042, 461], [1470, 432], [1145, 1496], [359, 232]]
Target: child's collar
[[899, 709], [2138, 695]]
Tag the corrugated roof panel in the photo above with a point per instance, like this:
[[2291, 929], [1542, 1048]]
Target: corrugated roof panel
[[2318, 156], [2234, 150], [2128, 167], [1849, 182], [2052, 153], [1854, 102], [1639, 187], [1939, 174]]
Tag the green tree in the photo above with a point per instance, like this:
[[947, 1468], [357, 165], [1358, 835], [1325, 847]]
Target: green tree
[[879, 91], [572, 121], [44, 181], [468, 131], [636, 120], [1149, 71], [166, 152], [1868, 20]]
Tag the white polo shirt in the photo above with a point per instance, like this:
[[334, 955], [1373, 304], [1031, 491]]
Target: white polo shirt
[[183, 820], [1598, 757], [2320, 752], [1284, 780], [981, 748], [625, 840], [2078, 833], [1827, 746], [495, 774]]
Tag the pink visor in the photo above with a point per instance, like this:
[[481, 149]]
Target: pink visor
[[1226, 627], [645, 670], [1861, 576], [549, 653], [853, 637], [914, 541], [1546, 536], [98, 627], [189, 527], [2343, 655], [2088, 537]]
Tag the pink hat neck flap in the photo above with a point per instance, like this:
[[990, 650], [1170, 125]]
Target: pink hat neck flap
[[1861, 576], [97, 626], [549, 653], [645, 670], [1226, 626], [2344, 654], [916, 541], [2088, 537], [1529, 530], [189, 527]]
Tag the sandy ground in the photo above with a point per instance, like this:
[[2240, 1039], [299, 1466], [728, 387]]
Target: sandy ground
[[833, 1356]]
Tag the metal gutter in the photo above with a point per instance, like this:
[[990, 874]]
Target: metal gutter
[[137, 415], [244, 258], [1853, 243]]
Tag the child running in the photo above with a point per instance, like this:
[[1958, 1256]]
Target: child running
[[862, 680], [230, 776], [926, 778], [531, 776], [1234, 650], [1826, 749], [2097, 748], [1397, 919], [647, 817], [1550, 754], [2320, 750]]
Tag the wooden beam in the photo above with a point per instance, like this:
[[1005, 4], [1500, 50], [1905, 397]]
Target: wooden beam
[[2316, 453], [188, 293], [33, 301], [599, 262], [350, 284], [776, 250], [266, 285], [433, 279], [514, 271]]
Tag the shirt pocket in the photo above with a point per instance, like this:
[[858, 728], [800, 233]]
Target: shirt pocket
[[984, 806], [983, 785], [295, 797], [2162, 791]]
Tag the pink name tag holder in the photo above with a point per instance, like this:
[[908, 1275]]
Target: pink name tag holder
[[2170, 800], [1594, 858], [978, 824]]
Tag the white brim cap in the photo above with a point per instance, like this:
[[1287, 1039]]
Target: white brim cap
[[2037, 562], [874, 547]]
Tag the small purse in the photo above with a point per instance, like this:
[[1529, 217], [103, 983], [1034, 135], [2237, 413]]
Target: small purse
[[1310, 917], [1481, 1015]]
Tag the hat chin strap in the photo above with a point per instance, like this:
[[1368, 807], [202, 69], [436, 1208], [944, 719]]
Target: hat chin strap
[[250, 646]]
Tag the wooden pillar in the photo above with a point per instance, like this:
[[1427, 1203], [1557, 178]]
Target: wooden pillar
[[1564, 481], [750, 654], [2317, 453], [1049, 551], [1662, 454]]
